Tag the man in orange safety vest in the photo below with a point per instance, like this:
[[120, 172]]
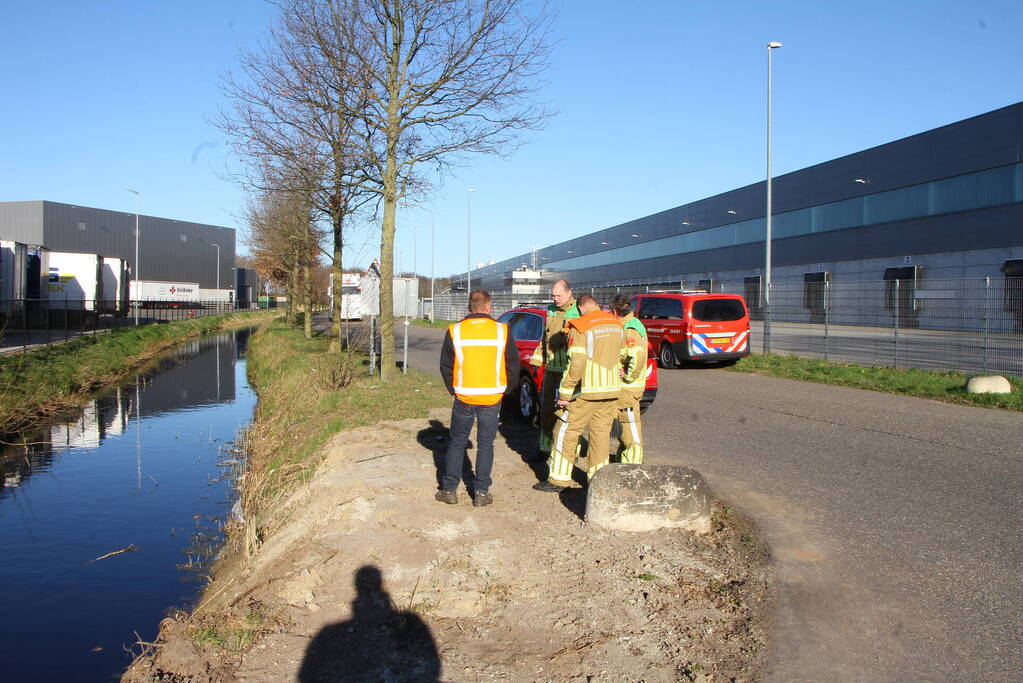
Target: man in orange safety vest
[[476, 361]]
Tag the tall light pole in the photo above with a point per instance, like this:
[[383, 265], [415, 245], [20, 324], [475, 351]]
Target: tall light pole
[[214, 244], [135, 266], [468, 241], [767, 241]]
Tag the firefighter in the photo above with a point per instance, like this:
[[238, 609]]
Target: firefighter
[[588, 394], [552, 353], [476, 361], [634, 376]]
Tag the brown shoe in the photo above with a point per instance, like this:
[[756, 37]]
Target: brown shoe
[[482, 500], [449, 497]]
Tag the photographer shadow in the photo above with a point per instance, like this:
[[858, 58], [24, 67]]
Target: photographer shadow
[[378, 643]]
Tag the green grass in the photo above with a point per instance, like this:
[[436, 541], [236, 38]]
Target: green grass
[[422, 322], [942, 386], [54, 379]]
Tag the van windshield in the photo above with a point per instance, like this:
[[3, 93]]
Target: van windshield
[[718, 310]]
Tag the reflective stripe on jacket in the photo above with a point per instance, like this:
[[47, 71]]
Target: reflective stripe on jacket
[[552, 351], [479, 376], [636, 368], [596, 352]]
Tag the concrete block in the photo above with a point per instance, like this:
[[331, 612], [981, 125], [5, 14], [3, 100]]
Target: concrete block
[[647, 497], [988, 384]]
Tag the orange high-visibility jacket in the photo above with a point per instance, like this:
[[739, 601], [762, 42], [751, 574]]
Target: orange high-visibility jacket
[[480, 376]]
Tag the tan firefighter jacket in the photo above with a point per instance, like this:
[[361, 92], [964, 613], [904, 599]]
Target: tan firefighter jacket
[[596, 351]]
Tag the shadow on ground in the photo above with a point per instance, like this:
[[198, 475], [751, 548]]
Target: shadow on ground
[[379, 643]]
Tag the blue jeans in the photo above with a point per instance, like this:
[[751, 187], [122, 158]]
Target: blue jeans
[[462, 416]]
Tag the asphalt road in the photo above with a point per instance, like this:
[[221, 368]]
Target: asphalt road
[[895, 522]]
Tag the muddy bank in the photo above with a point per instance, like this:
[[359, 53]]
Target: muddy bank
[[371, 579]]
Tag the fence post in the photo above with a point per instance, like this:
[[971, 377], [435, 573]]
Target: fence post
[[898, 310], [987, 293], [372, 344], [404, 360], [827, 319]]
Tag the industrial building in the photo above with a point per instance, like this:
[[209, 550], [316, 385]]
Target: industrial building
[[170, 252], [909, 218]]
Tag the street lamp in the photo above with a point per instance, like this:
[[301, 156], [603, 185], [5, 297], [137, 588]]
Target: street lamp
[[767, 241], [468, 241], [135, 266]]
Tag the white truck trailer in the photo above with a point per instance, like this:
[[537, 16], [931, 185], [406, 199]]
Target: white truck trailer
[[86, 282], [155, 294]]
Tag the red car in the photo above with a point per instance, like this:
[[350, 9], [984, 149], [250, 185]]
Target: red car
[[526, 324]]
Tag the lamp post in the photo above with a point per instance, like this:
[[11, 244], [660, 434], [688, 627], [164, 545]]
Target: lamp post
[[468, 241], [135, 266], [214, 244], [767, 241]]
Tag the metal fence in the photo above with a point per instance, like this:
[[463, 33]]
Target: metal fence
[[970, 325], [28, 323]]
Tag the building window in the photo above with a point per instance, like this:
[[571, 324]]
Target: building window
[[706, 283], [184, 237], [81, 225]]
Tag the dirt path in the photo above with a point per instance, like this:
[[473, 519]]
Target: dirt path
[[371, 579]]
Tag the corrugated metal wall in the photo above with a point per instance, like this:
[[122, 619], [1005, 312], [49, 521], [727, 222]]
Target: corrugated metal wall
[[169, 250]]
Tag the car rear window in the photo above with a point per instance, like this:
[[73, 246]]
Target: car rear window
[[718, 310]]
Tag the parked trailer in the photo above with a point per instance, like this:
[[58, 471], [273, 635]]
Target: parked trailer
[[12, 278], [153, 294], [86, 282]]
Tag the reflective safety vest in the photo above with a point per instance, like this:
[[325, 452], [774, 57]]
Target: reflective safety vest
[[479, 376]]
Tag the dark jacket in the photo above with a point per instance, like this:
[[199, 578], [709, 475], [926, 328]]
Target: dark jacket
[[447, 359]]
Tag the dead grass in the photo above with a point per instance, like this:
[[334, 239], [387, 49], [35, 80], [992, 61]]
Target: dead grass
[[309, 390]]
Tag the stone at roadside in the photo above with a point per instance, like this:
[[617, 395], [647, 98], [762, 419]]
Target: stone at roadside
[[988, 384], [647, 497]]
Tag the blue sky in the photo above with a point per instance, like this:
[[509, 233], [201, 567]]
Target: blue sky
[[659, 103]]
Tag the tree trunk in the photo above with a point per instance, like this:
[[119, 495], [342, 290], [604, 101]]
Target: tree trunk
[[336, 287], [307, 290], [296, 282], [387, 288]]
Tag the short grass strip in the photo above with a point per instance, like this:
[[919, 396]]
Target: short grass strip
[[942, 386]]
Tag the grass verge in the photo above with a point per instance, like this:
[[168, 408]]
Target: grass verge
[[310, 390], [423, 322], [949, 387], [52, 380]]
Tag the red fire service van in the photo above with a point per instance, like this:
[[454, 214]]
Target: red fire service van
[[694, 326], [526, 324]]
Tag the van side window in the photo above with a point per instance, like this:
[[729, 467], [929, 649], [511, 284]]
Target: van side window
[[646, 309], [672, 308]]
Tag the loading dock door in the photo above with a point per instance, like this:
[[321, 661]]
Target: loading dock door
[[1012, 294], [900, 293]]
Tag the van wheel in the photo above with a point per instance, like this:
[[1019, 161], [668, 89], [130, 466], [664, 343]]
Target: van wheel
[[527, 399], [667, 357]]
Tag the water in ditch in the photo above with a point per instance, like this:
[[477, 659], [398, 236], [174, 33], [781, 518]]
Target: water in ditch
[[109, 520]]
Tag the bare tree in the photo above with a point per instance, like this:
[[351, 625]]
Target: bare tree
[[290, 114], [439, 79]]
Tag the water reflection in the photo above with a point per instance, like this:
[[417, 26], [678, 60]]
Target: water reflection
[[141, 465], [198, 374]]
